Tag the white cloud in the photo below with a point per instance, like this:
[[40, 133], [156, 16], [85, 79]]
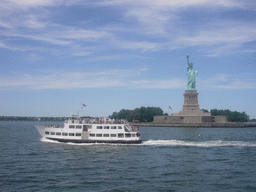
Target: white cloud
[[80, 34], [81, 54], [31, 21], [175, 83], [12, 48], [235, 34], [173, 3], [152, 20], [126, 78], [144, 46], [5, 25], [238, 84], [33, 57], [3, 45], [69, 79], [47, 39], [224, 81], [33, 3]]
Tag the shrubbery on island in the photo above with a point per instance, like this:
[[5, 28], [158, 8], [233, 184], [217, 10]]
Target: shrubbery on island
[[233, 116], [146, 114], [142, 114]]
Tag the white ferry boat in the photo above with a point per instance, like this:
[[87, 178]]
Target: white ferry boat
[[80, 130]]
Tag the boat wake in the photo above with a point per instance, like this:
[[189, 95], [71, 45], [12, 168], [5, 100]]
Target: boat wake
[[48, 140], [174, 143], [214, 143]]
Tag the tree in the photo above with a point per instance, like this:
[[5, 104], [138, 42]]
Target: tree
[[232, 116], [205, 110], [142, 114]]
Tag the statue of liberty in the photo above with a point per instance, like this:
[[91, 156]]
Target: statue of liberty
[[191, 85]]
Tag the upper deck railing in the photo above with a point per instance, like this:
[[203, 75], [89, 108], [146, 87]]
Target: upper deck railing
[[128, 127], [95, 121]]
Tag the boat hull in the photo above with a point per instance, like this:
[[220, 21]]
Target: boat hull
[[95, 141]]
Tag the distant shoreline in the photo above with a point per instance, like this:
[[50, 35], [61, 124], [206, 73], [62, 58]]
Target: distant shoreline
[[144, 124], [207, 125]]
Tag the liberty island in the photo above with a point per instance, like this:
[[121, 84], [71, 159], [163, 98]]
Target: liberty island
[[191, 114]]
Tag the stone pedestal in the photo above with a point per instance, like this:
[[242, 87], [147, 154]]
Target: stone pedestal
[[190, 113], [191, 101], [191, 106]]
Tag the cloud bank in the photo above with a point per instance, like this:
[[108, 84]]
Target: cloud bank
[[211, 29]]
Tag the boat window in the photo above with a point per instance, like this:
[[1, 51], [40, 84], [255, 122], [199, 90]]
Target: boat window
[[71, 134], [58, 133], [99, 127], [106, 127], [113, 135], [98, 135], [87, 126], [133, 134], [78, 134], [71, 126], [52, 133], [106, 135], [119, 127], [120, 135], [92, 134], [46, 132], [113, 127], [64, 134], [79, 126], [127, 134]]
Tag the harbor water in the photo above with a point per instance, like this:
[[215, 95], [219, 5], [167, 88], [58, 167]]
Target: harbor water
[[169, 159]]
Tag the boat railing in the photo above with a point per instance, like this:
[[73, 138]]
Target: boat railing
[[96, 121], [53, 126], [129, 128]]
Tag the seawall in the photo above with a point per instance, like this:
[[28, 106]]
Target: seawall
[[223, 125]]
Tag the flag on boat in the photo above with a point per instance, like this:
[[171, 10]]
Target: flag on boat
[[83, 105]]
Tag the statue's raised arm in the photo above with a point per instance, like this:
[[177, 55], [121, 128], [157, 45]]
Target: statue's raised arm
[[191, 85]]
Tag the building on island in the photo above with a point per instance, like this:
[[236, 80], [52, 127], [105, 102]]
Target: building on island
[[190, 113]]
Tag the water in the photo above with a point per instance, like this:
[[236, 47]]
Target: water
[[170, 159]]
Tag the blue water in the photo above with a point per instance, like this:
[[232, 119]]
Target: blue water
[[170, 159]]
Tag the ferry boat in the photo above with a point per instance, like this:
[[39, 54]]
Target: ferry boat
[[85, 130]]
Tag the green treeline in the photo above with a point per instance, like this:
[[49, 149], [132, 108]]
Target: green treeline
[[143, 114], [146, 114], [232, 116]]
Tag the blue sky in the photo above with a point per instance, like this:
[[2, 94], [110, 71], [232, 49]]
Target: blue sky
[[123, 54]]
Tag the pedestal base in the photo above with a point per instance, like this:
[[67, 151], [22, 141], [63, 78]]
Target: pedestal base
[[191, 106]]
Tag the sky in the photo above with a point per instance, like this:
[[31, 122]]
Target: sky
[[122, 54]]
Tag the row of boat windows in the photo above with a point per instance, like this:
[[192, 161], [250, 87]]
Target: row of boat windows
[[113, 135], [93, 134], [108, 127], [98, 127], [63, 134], [79, 126]]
